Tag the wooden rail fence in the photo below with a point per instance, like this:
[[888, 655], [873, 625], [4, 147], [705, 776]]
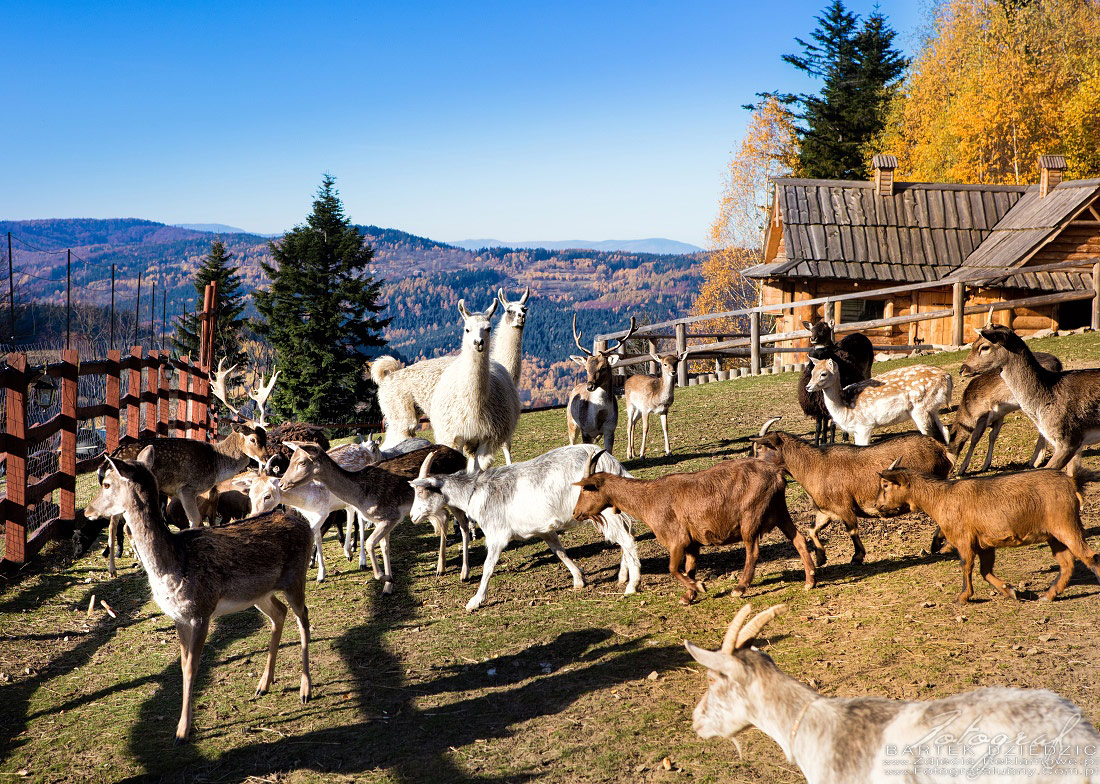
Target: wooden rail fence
[[756, 343]]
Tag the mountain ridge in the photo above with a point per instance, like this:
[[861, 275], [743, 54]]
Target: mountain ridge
[[657, 245]]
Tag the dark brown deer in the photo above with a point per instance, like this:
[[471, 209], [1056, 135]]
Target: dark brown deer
[[593, 411], [201, 573]]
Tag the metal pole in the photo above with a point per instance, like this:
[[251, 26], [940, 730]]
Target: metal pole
[[152, 314], [137, 310], [112, 331], [163, 316], [11, 290], [68, 298]]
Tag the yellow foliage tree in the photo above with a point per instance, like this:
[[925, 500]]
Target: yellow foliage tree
[[996, 85], [769, 149]]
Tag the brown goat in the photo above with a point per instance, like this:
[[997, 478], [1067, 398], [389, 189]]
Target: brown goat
[[842, 480], [1010, 510], [736, 500]]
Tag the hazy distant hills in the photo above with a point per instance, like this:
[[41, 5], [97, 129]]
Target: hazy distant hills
[[658, 245], [219, 228], [424, 279]]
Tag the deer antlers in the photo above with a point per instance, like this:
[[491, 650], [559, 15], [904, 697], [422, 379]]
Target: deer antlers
[[610, 349], [261, 393], [218, 387]]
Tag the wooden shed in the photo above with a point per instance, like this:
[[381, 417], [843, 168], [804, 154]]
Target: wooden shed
[[830, 237]]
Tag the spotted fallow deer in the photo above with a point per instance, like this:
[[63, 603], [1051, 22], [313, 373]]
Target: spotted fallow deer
[[201, 573], [592, 411], [645, 395]]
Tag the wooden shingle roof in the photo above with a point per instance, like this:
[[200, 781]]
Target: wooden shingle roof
[[923, 232]]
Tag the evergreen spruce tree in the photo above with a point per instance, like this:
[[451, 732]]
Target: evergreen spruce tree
[[859, 68], [229, 306], [319, 314]]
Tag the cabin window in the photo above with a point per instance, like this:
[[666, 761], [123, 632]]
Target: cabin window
[[862, 310]]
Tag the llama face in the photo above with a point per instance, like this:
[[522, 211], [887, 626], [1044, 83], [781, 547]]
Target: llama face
[[515, 313], [476, 326]]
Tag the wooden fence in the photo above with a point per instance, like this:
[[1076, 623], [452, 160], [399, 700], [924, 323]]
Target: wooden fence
[[164, 397], [755, 343]]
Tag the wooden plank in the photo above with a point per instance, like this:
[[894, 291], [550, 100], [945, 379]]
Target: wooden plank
[[67, 458], [92, 412], [817, 241], [164, 394], [44, 487], [149, 395], [15, 423], [36, 434], [53, 528], [1030, 302], [110, 419], [950, 210], [893, 245]]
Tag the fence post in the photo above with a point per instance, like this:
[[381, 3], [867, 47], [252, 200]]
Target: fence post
[[164, 388], [133, 392], [653, 369], [754, 342], [110, 421], [15, 427], [958, 316], [681, 347], [70, 360], [1096, 296], [150, 394], [183, 398]]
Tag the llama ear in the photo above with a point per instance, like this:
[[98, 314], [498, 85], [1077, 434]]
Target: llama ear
[[526, 296], [462, 308], [492, 309], [500, 296], [145, 458]]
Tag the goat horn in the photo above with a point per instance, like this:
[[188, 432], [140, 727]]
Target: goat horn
[[590, 467], [753, 627], [895, 464], [426, 466], [735, 627], [768, 424]]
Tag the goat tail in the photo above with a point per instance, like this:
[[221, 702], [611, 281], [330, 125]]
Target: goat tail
[[382, 367]]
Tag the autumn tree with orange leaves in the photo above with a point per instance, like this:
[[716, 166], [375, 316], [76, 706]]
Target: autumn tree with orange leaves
[[769, 149], [997, 84]]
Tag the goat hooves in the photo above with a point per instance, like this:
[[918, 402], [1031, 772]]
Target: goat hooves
[[738, 591], [686, 600], [857, 560]]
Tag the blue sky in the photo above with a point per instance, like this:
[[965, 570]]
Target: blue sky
[[517, 121]]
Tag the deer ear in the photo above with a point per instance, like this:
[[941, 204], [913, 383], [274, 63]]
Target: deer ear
[[814, 361], [612, 359], [807, 325], [579, 360], [715, 661], [145, 458]]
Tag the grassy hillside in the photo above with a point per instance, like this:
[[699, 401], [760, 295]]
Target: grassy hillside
[[543, 683]]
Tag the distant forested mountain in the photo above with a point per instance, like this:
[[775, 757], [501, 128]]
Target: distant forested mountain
[[424, 280]]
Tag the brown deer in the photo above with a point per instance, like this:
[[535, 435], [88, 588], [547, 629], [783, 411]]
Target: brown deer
[[592, 411], [645, 395], [198, 574]]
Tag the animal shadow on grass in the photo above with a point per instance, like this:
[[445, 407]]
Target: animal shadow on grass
[[15, 696], [390, 733]]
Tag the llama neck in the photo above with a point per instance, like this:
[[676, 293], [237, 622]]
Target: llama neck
[[475, 373], [151, 538], [507, 348]]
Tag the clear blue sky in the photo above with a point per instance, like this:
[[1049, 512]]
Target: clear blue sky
[[568, 120]]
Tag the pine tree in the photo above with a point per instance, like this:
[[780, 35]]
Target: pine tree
[[228, 306], [319, 314], [859, 68]]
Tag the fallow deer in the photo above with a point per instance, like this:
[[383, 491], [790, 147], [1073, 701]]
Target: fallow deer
[[199, 574], [592, 411], [645, 395]]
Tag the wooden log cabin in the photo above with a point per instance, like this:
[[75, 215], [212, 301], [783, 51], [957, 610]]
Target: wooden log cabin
[[831, 237]]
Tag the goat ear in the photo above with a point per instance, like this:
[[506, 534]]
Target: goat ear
[[145, 458], [715, 661], [807, 325]]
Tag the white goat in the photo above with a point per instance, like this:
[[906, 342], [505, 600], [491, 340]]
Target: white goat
[[529, 500], [917, 392], [403, 392], [475, 406], [964, 737]]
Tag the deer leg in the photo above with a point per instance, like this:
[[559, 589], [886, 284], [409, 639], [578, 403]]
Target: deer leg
[[752, 552], [664, 430], [317, 524], [966, 557], [493, 548], [993, 433], [190, 506], [349, 532], [1037, 455], [986, 556], [645, 432], [821, 519], [296, 598], [1063, 454], [363, 553], [554, 544], [276, 613], [609, 435], [975, 437], [113, 533], [192, 637], [381, 537], [631, 417]]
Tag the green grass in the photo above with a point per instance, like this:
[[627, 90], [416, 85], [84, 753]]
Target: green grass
[[543, 683]]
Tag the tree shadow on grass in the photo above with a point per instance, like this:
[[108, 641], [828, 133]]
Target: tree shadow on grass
[[390, 732]]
